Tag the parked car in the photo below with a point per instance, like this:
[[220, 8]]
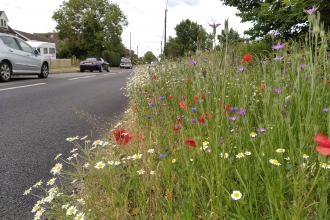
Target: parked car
[[153, 64], [19, 58], [94, 63], [126, 63]]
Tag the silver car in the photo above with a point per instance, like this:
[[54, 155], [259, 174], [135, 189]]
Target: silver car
[[19, 58]]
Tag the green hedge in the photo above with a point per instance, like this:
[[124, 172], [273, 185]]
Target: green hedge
[[112, 57]]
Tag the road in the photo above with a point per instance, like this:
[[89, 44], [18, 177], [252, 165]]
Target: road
[[37, 116]]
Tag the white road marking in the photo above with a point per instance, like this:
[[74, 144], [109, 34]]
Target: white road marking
[[105, 74], [18, 87], [81, 77]]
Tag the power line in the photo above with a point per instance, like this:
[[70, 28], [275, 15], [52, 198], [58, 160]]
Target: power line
[[141, 11]]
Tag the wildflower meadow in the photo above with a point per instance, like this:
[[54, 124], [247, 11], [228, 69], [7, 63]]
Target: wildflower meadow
[[219, 135]]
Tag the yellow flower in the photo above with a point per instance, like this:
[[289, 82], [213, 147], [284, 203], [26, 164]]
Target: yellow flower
[[173, 160]]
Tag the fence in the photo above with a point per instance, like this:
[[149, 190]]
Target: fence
[[60, 63]]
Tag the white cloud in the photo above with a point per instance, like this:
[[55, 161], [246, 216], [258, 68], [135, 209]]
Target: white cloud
[[146, 18]]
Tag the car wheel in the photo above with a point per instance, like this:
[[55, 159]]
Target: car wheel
[[90, 70], [44, 71], [101, 68], [5, 71], [108, 69]]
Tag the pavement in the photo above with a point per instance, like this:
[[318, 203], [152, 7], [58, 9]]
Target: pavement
[[71, 69]]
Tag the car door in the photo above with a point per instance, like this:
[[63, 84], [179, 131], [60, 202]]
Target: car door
[[16, 56], [33, 61]]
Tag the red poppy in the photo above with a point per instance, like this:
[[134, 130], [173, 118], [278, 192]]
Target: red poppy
[[202, 96], [262, 87], [191, 142], [327, 81], [158, 110], [324, 143], [179, 119], [196, 98], [182, 104], [202, 119], [134, 108], [186, 80], [176, 128], [207, 115], [247, 58], [150, 100], [155, 77], [122, 138], [170, 96]]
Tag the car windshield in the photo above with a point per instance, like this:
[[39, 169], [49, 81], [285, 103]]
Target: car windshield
[[91, 59]]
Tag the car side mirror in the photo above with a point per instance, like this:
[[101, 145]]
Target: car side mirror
[[36, 52]]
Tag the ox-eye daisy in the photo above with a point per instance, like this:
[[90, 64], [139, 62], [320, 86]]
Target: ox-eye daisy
[[236, 195], [99, 165], [275, 162]]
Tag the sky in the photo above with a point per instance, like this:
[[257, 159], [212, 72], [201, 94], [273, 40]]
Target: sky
[[146, 19]]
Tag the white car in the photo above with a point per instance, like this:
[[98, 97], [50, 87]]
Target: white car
[[19, 58], [126, 63]]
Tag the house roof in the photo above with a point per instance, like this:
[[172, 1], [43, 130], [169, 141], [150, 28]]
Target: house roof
[[28, 36], [7, 30], [2, 12]]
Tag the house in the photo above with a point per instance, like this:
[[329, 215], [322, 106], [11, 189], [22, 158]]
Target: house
[[4, 27]]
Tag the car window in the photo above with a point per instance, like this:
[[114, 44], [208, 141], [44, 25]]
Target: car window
[[25, 47], [99, 59], [91, 59], [9, 42]]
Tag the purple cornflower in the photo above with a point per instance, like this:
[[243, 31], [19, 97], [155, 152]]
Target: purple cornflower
[[278, 46], [162, 156], [302, 66], [233, 109], [151, 104], [240, 69], [277, 90], [161, 98], [326, 109], [311, 10], [230, 63], [149, 116], [278, 58], [282, 112], [233, 118], [261, 130], [183, 97], [193, 109], [192, 63], [222, 140], [287, 85], [194, 120], [241, 112]]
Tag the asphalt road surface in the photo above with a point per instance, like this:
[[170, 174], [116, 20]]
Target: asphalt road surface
[[36, 117]]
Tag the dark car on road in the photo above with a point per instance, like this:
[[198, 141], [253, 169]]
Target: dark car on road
[[94, 63]]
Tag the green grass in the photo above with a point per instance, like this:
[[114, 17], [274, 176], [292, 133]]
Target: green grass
[[278, 172]]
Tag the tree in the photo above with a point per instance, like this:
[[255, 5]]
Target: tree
[[286, 17], [233, 37], [187, 33], [149, 56], [89, 27]]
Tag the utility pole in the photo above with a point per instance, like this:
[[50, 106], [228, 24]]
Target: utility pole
[[165, 32], [130, 51], [161, 47]]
